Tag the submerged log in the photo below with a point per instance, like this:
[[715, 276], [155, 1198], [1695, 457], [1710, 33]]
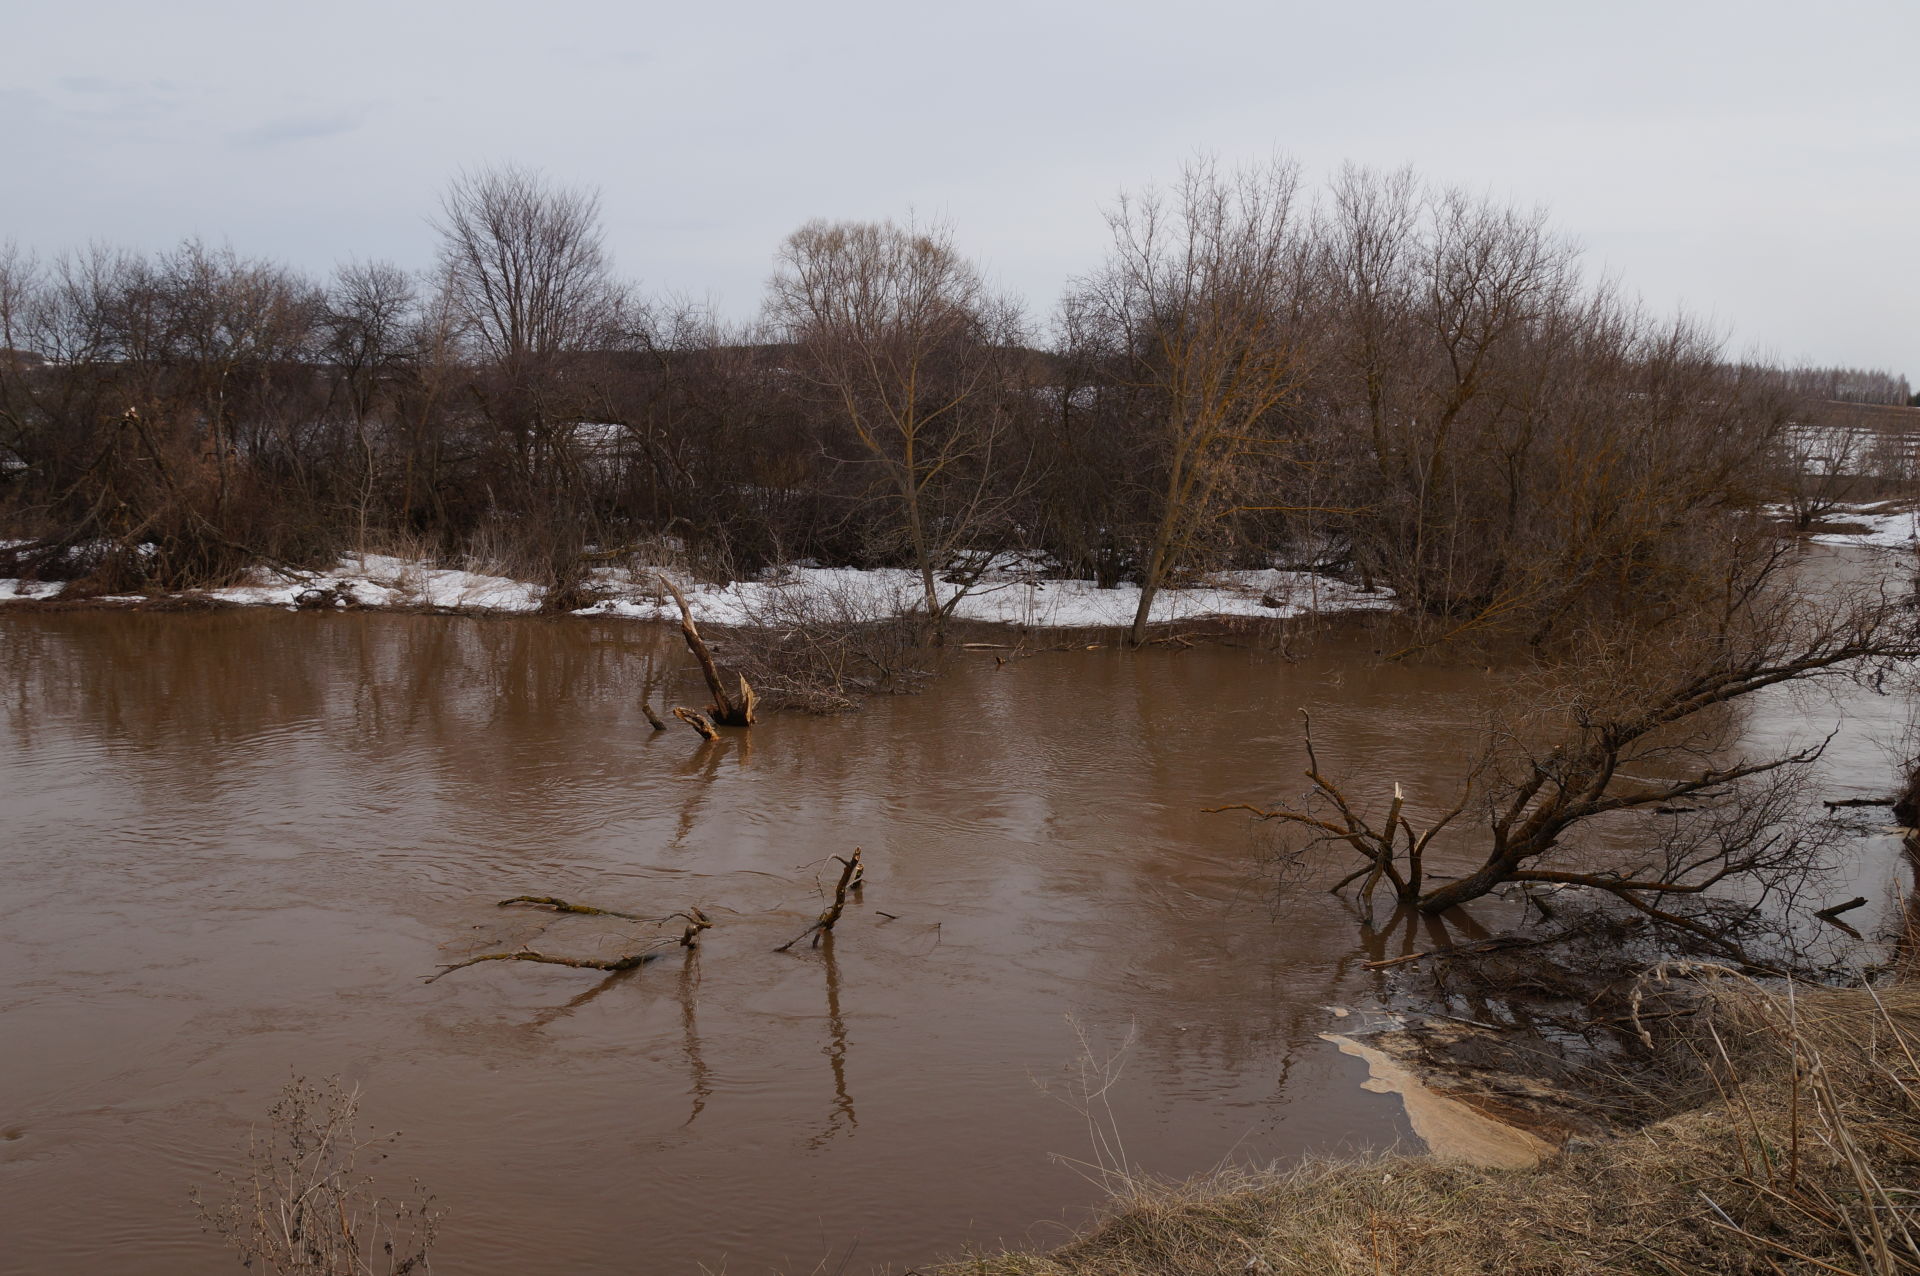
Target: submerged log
[[726, 710]]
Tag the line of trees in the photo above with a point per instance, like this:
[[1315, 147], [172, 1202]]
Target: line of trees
[[1412, 385]]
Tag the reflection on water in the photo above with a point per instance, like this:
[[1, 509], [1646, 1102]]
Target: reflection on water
[[235, 843]]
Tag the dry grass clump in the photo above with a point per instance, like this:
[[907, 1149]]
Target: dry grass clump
[[1803, 1157], [303, 1206]]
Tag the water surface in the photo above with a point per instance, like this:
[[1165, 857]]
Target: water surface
[[235, 843]]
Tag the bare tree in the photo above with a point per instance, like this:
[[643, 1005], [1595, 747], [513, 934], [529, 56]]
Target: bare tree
[[527, 266], [1196, 315], [370, 325], [1824, 460], [915, 358], [527, 273]]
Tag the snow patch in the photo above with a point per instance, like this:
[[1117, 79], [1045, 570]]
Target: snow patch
[[1014, 591]]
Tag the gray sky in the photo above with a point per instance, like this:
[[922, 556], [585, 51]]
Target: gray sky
[[1758, 162]]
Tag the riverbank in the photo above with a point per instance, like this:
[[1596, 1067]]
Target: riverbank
[[1016, 595], [1790, 1144]]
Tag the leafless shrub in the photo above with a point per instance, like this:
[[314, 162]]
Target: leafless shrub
[[303, 1207], [819, 647]]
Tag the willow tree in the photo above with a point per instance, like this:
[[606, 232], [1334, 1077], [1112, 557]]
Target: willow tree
[[1196, 316], [913, 356]]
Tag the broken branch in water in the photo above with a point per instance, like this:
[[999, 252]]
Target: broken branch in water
[[852, 874], [628, 962], [562, 906], [698, 721], [653, 719], [1832, 915], [696, 922], [726, 710]]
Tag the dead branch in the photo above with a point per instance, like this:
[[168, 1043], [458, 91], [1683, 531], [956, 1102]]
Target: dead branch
[[562, 906], [852, 874], [725, 710], [698, 721], [1832, 915], [697, 921], [653, 719], [629, 962]]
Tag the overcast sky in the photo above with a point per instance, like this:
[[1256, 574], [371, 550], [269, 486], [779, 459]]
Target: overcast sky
[[1757, 162]]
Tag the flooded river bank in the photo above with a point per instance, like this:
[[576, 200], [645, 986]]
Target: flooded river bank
[[235, 843]]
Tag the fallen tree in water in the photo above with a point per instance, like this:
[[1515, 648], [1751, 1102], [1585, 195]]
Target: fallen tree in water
[[1632, 733]]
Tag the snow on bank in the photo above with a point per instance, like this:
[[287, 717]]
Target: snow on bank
[[375, 580], [800, 594], [792, 595], [1897, 530]]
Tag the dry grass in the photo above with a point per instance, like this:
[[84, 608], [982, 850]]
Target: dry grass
[[302, 1206], [1804, 1157]]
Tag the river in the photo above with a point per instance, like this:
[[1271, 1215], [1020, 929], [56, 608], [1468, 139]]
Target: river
[[235, 843]]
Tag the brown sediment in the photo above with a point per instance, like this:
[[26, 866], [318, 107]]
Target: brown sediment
[[1452, 1128]]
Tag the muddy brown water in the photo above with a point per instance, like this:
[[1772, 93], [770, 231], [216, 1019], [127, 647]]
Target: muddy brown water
[[231, 846]]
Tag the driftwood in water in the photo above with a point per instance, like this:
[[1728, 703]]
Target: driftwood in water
[[852, 874], [1831, 916], [562, 906], [653, 719], [628, 962], [729, 711], [698, 721], [696, 920]]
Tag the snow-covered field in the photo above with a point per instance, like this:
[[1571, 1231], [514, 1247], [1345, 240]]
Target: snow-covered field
[[789, 595]]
